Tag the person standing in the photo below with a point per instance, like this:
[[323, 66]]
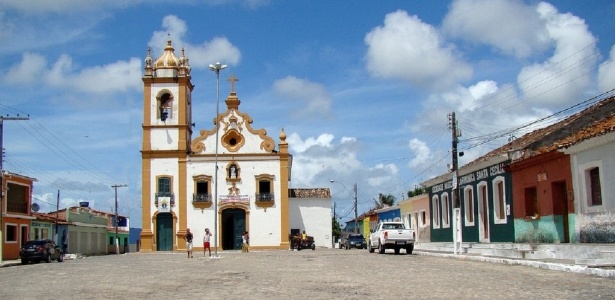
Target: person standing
[[64, 242], [245, 242], [206, 242], [188, 237]]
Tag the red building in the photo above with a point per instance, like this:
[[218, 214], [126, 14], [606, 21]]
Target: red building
[[15, 212]]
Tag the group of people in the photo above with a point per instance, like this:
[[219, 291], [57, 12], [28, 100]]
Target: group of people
[[206, 242], [245, 247]]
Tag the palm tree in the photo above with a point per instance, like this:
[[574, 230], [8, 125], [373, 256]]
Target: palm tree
[[387, 200]]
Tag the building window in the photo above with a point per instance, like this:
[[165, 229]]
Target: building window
[[164, 186], [435, 209], [423, 218], [445, 211], [531, 202], [499, 201], [165, 106], [16, 196], [595, 191], [202, 189], [11, 233], [468, 203], [264, 188]]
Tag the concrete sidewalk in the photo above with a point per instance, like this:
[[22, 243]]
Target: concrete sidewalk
[[591, 259]]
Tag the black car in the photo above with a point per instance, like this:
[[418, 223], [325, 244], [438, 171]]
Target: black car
[[355, 241], [40, 250]]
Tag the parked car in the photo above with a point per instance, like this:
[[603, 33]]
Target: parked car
[[40, 250], [355, 240], [391, 235]]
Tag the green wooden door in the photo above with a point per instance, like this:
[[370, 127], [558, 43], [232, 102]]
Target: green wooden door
[[240, 227], [233, 226], [164, 232]]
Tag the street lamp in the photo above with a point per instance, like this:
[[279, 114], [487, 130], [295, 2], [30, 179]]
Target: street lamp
[[216, 68], [356, 222]]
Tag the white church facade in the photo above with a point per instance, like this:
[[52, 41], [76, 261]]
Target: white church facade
[[250, 190]]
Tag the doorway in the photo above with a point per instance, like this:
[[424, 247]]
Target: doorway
[[164, 232], [560, 209], [233, 227], [483, 214]]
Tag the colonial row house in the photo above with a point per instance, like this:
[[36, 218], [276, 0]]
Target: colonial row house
[[230, 178], [87, 231], [93, 232], [415, 214], [547, 186], [15, 212]]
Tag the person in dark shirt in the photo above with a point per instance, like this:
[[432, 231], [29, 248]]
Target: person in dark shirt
[[188, 238]]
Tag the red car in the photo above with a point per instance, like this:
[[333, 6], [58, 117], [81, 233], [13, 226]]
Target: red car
[[40, 250]]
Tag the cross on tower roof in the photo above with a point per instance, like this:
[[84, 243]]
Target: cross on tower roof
[[232, 79]]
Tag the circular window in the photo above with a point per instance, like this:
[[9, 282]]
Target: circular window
[[232, 140]]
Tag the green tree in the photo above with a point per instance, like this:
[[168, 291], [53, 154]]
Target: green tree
[[419, 190], [337, 229], [387, 200]]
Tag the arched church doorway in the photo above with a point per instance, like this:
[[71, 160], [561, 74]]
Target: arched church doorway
[[164, 232], [233, 226]]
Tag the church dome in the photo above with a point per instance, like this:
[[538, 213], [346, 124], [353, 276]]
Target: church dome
[[168, 59]]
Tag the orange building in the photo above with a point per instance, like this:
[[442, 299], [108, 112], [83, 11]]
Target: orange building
[[15, 212]]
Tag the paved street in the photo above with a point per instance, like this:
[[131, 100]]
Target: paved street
[[306, 274]]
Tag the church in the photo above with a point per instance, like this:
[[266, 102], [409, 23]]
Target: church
[[230, 178]]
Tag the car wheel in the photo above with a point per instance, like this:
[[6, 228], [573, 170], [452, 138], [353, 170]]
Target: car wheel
[[409, 249], [48, 258], [369, 247], [313, 247], [380, 248], [24, 261]]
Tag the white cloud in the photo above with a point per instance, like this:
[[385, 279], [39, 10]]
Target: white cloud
[[314, 97], [64, 6], [219, 49], [422, 153], [511, 26], [406, 48], [606, 73], [381, 174], [118, 76], [564, 76], [28, 71]]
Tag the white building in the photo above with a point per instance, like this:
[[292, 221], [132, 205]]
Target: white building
[[593, 169], [250, 191]]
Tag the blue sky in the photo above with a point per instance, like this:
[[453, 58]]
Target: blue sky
[[361, 88]]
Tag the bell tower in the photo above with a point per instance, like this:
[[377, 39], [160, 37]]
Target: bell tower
[[167, 130]]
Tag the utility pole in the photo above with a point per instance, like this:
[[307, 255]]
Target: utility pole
[[457, 236], [455, 134], [117, 240], [2, 173], [57, 234], [356, 221]]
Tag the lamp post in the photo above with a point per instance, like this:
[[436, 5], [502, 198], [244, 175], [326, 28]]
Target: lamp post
[[216, 68], [356, 217]]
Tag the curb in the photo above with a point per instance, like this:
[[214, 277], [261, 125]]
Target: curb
[[529, 263]]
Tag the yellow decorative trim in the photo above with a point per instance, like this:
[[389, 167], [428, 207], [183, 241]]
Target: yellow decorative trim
[[229, 175], [232, 140], [202, 204], [267, 144], [264, 204]]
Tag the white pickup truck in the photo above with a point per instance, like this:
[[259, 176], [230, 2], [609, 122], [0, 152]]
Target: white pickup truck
[[391, 235]]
